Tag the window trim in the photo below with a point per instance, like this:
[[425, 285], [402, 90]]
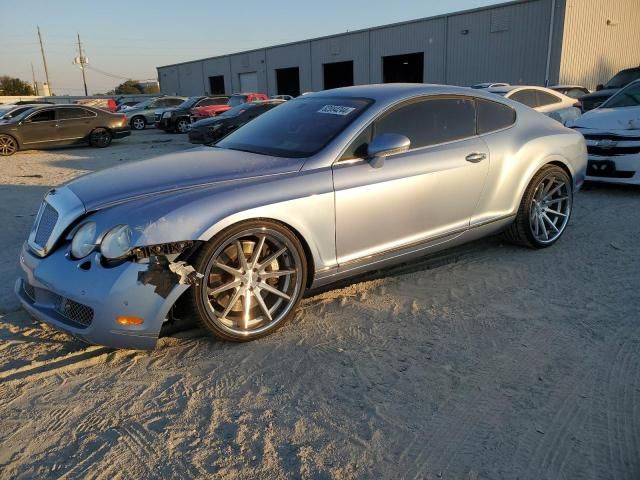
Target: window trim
[[40, 111], [93, 114], [416, 99]]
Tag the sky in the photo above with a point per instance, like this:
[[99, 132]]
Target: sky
[[129, 39]]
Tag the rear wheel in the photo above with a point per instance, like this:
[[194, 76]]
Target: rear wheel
[[138, 123], [8, 145], [100, 138], [182, 125], [544, 211], [254, 276]]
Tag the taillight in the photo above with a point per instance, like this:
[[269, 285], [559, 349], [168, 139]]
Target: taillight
[[125, 120]]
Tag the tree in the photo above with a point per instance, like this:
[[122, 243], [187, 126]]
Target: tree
[[130, 87], [151, 88], [14, 86]]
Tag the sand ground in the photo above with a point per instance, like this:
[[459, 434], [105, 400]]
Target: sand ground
[[488, 362]]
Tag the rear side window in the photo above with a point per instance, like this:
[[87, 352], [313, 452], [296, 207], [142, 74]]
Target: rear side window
[[545, 98], [526, 97], [70, 113], [430, 122], [492, 116]]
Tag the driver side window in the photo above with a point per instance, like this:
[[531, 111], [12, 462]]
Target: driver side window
[[44, 116]]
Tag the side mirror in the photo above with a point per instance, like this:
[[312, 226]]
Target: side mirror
[[599, 87], [384, 145]]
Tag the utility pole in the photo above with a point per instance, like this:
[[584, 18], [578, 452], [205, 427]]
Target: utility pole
[[35, 84], [82, 61], [44, 60]]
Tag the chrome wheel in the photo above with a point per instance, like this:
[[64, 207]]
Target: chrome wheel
[[252, 281], [138, 123], [550, 208], [8, 145], [182, 126]]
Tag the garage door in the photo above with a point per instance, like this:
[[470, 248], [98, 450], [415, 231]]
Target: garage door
[[249, 82]]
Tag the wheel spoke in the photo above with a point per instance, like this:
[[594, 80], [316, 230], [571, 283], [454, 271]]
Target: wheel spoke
[[544, 228], [228, 269], [257, 250], [275, 291], [265, 263], [556, 200], [232, 302], [263, 306], [555, 212], [246, 309], [213, 292], [545, 190], [276, 274], [552, 192], [241, 258], [553, 225]]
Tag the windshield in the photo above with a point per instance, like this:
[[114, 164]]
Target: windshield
[[627, 97], [623, 78], [235, 111], [298, 128], [13, 113], [188, 103], [236, 100]]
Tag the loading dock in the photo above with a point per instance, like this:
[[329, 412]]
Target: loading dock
[[408, 68], [216, 85], [338, 74], [288, 81]]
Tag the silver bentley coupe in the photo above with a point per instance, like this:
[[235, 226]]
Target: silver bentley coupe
[[320, 188]]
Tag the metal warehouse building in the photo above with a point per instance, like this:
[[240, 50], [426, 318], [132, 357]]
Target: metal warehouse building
[[522, 42]]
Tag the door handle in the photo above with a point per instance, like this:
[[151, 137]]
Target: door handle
[[475, 157]]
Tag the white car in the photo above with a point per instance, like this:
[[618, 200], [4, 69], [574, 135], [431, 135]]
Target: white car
[[612, 132], [553, 104], [482, 86]]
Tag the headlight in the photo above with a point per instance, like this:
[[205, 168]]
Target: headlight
[[166, 115], [84, 241], [117, 242]]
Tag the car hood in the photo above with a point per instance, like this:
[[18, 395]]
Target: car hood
[[198, 167], [600, 94], [610, 119]]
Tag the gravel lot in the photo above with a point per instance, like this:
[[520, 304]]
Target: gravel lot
[[488, 362]]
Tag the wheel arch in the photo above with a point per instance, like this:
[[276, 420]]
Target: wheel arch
[[15, 137]]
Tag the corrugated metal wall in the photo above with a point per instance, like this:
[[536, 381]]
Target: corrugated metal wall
[[341, 48], [427, 36], [503, 44], [508, 43], [295, 55], [601, 37]]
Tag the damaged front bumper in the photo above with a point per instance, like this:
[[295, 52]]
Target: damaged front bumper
[[84, 298]]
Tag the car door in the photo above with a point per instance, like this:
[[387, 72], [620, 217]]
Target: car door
[[74, 124], [39, 129], [427, 193]]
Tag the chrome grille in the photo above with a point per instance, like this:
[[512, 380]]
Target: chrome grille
[[47, 222], [73, 311]]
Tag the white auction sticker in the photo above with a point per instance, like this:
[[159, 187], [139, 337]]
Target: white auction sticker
[[336, 110]]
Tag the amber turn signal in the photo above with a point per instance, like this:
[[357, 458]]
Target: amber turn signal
[[122, 320]]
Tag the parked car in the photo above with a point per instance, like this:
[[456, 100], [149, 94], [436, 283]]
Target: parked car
[[480, 86], [58, 125], [108, 104], [209, 130], [121, 107], [281, 97], [33, 102], [9, 111], [612, 132], [320, 188], [553, 104], [603, 92], [177, 119], [144, 113], [573, 91], [235, 100]]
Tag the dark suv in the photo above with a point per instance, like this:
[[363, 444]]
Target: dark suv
[[177, 119], [604, 92]]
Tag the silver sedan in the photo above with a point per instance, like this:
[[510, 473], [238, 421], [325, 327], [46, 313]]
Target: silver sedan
[[323, 187]]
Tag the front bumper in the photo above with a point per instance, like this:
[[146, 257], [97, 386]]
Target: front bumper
[[83, 298], [614, 169], [121, 132], [165, 124]]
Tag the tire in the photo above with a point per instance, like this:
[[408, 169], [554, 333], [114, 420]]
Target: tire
[[544, 211], [8, 145], [138, 122], [277, 276], [182, 125], [100, 138]]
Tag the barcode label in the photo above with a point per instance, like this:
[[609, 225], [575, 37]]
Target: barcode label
[[336, 110]]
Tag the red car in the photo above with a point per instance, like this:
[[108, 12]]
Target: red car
[[107, 104], [235, 100]]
